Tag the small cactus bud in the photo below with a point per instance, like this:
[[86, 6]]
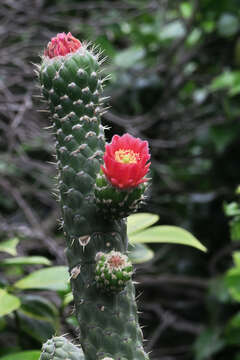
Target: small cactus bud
[[62, 45], [113, 271], [59, 348]]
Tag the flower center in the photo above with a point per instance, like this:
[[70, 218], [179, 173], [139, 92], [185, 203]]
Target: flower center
[[126, 156], [115, 261]]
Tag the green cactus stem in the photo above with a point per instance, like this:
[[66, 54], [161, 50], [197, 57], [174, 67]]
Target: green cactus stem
[[70, 77]]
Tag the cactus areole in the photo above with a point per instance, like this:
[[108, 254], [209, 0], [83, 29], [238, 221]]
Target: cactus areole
[[99, 186]]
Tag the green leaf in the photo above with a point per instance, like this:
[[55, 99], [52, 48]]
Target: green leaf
[[167, 234], [231, 209], [194, 37], [232, 281], [235, 228], [222, 135], [207, 344], [129, 57], [67, 299], [23, 355], [53, 278], [226, 80], [137, 222], [186, 9], [8, 303], [139, 253], [9, 246], [38, 317], [236, 258], [26, 260], [218, 290], [39, 307], [228, 25], [232, 331], [173, 30]]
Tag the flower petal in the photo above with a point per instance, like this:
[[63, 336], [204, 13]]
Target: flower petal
[[126, 171]]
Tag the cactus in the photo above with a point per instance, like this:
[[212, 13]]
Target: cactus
[[71, 82], [59, 348]]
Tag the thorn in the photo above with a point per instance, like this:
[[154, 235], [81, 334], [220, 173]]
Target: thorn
[[48, 127], [104, 98], [84, 240], [102, 60], [138, 296], [108, 77], [75, 272], [52, 163], [38, 96], [44, 111], [36, 72]]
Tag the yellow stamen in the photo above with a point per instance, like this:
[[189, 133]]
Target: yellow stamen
[[126, 156]]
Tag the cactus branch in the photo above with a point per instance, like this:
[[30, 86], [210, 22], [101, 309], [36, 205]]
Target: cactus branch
[[70, 77]]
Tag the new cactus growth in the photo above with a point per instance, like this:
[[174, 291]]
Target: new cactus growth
[[59, 348], [113, 271], [71, 82]]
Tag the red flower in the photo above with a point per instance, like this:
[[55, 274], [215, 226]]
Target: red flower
[[61, 45], [125, 161]]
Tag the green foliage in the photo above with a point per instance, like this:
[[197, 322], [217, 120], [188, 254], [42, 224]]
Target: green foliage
[[232, 278], [9, 246], [23, 355], [8, 303], [228, 80], [36, 316], [175, 81], [208, 344], [141, 221], [52, 278], [26, 260], [228, 25], [139, 253], [226, 289], [168, 235]]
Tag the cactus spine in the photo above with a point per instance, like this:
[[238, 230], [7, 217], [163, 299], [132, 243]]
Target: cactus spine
[[71, 82]]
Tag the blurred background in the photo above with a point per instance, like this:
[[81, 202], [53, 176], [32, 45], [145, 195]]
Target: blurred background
[[175, 81]]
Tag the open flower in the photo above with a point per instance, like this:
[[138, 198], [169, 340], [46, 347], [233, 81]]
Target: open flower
[[62, 45], [125, 161]]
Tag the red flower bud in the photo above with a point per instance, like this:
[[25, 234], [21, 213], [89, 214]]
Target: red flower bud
[[125, 161], [61, 45]]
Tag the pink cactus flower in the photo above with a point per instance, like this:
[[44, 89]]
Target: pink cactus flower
[[125, 161], [62, 45]]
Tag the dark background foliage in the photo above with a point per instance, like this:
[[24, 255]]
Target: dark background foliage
[[175, 82]]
